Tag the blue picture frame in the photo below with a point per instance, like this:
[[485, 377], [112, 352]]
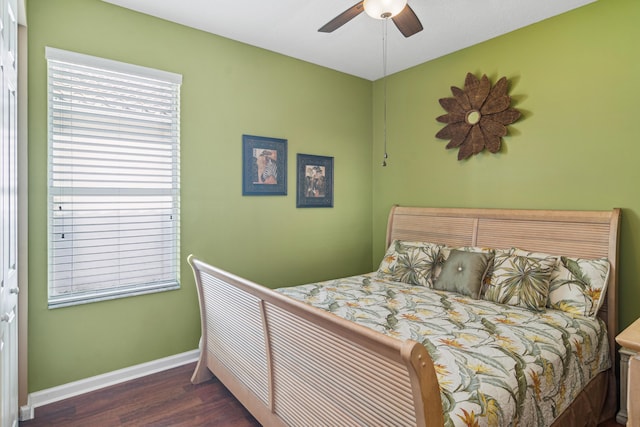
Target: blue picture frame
[[314, 181], [264, 166]]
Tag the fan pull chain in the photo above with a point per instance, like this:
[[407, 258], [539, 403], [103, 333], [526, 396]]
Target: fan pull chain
[[384, 84]]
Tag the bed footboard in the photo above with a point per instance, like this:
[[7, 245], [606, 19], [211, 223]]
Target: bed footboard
[[291, 364]]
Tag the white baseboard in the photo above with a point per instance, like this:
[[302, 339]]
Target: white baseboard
[[64, 391]]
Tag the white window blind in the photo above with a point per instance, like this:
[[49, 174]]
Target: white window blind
[[114, 208]]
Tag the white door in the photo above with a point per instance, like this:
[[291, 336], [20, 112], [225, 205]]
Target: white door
[[8, 217]]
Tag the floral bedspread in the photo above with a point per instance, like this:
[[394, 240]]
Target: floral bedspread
[[497, 365]]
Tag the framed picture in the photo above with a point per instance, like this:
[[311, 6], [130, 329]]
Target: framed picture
[[264, 166], [315, 181]]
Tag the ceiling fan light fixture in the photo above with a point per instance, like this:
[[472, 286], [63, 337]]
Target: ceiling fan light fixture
[[383, 9]]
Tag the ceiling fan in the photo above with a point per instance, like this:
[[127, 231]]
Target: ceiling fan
[[398, 10]]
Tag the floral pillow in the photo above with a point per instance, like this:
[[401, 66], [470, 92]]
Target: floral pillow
[[579, 285], [521, 281], [414, 263], [499, 258], [522, 252]]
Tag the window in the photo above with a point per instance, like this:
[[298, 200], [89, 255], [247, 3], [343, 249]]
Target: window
[[114, 188]]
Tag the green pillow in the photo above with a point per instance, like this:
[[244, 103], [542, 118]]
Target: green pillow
[[463, 272]]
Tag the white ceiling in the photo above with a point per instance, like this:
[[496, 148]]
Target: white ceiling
[[290, 27]]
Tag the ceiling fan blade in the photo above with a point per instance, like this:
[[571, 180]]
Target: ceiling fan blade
[[407, 22], [343, 18]]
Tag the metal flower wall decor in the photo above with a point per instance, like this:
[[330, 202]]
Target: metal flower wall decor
[[477, 116]]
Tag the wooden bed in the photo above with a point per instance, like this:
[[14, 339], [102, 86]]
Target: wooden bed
[[257, 341]]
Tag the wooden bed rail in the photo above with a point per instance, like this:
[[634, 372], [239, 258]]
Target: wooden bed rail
[[254, 340]]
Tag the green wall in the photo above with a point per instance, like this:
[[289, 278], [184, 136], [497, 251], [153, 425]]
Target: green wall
[[576, 79], [228, 89]]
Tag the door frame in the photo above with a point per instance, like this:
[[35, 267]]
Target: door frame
[[23, 209]]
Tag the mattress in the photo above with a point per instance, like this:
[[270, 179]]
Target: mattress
[[497, 365]]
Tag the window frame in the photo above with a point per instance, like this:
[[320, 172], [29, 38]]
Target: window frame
[[169, 192]]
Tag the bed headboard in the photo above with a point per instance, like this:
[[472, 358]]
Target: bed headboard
[[586, 234]]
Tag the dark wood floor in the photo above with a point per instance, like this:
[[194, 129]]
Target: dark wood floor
[[164, 399]]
